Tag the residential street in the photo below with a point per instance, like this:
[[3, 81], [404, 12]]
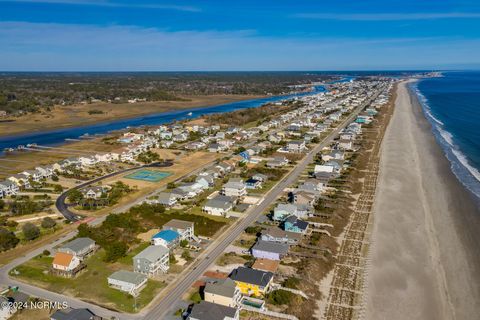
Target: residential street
[[159, 307]]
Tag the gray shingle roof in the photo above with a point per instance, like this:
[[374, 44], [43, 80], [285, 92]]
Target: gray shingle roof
[[225, 288], [152, 253], [73, 314], [128, 276], [211, 311], [268, 246], [252, 276], [78, 244]]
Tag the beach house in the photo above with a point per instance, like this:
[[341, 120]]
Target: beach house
[[251, 281], [127, 281], [79, 247], [211, 311], [235, 187], [220, 205], [223, 291], [269, 250], [152, 260], [295, 225], [184, 228], [283, 210], [167, 238]]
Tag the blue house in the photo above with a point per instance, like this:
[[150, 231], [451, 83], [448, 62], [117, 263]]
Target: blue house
[[245, 155], [293, 224], [253, 183], [166, 238]]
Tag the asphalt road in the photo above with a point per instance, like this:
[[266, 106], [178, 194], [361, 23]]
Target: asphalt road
[[73, 217], [163, 306]]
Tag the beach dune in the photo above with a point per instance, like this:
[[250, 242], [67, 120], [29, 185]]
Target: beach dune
[[424, 260]]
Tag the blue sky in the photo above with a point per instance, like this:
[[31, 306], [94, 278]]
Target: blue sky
[[119, 35]]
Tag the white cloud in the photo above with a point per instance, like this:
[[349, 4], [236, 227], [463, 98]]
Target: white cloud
[[112, 4], [387, 16], [57, 47]]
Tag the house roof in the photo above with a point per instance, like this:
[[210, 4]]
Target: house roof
[[128, 276], [225, 287], [252, 276], [165, 197], [77, 245], [152, 253], [212, 311], [62, 259], [297, 222], [268, 246], [73, 314], [279, 233], [167, 235], [178, 224], [290, 208], [223, 202], [266, 265]]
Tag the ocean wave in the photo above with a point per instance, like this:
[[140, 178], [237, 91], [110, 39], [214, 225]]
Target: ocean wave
[[464, 161], [447, 136], [467, 174]]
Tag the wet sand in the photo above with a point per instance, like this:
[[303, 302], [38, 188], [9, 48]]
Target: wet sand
[[425, 258]]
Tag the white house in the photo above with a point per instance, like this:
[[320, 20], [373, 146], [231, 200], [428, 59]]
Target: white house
[[218, 206], [127, 281], [65, 261], [296, 146], [234, 188], [184, 228]]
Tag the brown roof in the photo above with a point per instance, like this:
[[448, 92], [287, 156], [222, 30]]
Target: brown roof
[[178, 224], [266, 265], [62, 259]]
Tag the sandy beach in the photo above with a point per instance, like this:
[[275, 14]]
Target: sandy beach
[[425, 258]]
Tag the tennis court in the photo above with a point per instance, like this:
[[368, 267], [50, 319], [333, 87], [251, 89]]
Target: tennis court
[[148, 175]]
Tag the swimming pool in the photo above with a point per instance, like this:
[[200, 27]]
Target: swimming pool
[[148, 175]]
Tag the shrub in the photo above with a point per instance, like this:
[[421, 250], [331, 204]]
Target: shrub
[[8, 240], [184, 243], [30, 231], [279, 297], [291, 283], [186, 255], [48, 223], [115, 251], [46, 253]]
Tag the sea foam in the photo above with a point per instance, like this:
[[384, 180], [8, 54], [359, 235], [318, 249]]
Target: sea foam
[[468, 175]]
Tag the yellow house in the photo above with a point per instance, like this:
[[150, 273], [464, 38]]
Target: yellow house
[[251, 281]]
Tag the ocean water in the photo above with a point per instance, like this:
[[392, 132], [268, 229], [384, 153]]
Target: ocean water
[[452, 105]]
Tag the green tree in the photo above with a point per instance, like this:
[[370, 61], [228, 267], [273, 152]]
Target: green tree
[[55, 178], [186, 255], [8, 240], [75, 196], [115, 251], [58, 188], [48, 223], [184, 243], [30, 231], [279, 297]]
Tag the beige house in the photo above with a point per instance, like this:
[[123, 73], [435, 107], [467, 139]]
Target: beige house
[[224, 292]]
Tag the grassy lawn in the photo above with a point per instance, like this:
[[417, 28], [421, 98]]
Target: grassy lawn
[[96, 274]]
